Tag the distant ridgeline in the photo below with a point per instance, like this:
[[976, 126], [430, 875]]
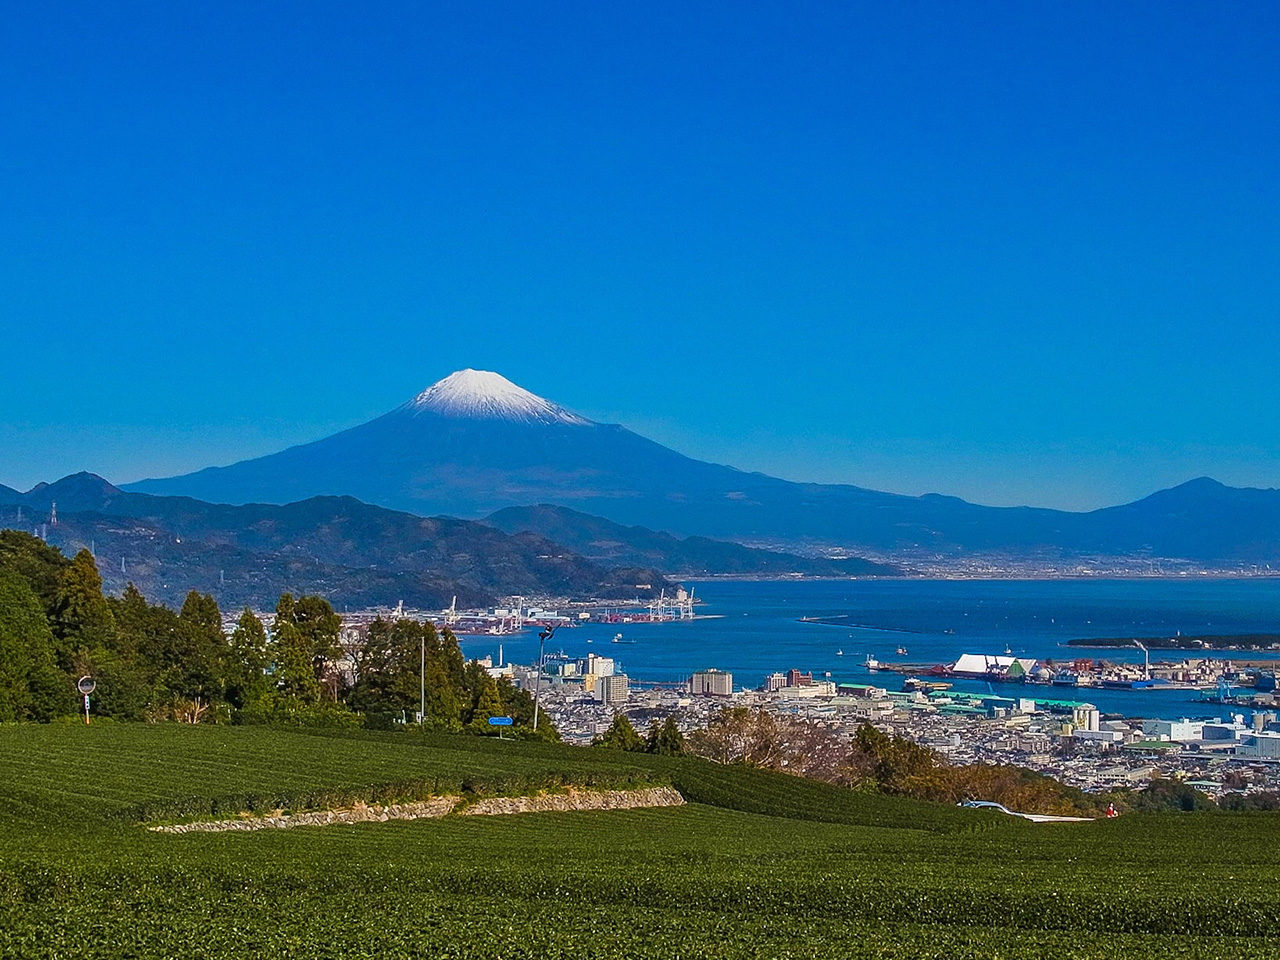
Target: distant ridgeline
[[358, 555], [152, 663], [354, 554]]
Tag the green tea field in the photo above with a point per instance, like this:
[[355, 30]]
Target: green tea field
[[754, 865]]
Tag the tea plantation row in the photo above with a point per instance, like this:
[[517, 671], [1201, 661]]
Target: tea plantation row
[[760, 865]]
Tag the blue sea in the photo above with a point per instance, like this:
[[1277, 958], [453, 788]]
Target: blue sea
[[757, 628]]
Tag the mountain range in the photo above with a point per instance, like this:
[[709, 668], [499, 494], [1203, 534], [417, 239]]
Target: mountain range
[[355, 554], [360, 555], [613, 543], [474, 443]]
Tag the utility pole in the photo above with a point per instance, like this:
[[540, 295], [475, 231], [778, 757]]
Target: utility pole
[[546, 634]]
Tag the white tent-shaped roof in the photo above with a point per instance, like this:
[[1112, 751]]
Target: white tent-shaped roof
[[980, 664]]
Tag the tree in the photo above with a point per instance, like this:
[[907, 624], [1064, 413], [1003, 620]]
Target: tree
[[293, 671], [1162, 794], [1258, 800], [31, 686], [248, 686], [488, 704], [202, 652], [132, 615], [665, 738], [144, 666], [758, 738], [81, 618], [306, 630], [389, 668], [739, 735], [518, 705], [35, 561], [896, 764], [443, 706], [319, 626], [621, 735]]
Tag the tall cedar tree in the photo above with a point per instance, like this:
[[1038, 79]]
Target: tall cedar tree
[[31, 686], [487, 704], [248, 685], [203, 650], [81, 621]]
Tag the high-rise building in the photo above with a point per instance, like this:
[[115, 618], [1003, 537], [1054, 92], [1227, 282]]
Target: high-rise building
[[715, 683], [597, 665], [613, 688]]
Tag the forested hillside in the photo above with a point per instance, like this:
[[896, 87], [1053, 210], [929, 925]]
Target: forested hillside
[[355, 554]]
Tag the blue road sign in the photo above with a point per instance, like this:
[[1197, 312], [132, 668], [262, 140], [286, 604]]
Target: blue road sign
[[500, 721]]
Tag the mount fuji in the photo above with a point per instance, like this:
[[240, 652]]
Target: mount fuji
[[475, 443]]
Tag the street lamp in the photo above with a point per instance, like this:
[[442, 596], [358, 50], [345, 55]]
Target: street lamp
[[546, 634]]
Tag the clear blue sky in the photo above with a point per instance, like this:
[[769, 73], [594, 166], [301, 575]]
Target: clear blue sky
[[1023, 252]]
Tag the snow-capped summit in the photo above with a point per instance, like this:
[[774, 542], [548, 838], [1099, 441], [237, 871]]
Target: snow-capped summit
[[485, 395]]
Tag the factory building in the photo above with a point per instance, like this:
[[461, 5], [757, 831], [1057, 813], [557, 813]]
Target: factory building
[[1180, 731], [1259, 745]]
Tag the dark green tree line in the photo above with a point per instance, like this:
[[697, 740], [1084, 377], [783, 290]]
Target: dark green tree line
[[152, 663]]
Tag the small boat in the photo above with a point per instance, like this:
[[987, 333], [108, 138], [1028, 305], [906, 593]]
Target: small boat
[[901, 651], [839, 653]]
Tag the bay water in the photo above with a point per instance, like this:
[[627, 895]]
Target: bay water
[[753, 628]]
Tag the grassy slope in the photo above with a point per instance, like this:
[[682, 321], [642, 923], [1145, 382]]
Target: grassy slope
[[803, 871]]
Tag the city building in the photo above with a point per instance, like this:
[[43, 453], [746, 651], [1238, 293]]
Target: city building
[[596, 665], [1099, 736], [1180, 731], [613, 688], [807, 691], [1260, 745], [714, 683], [1222, 730], [862, 691]]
